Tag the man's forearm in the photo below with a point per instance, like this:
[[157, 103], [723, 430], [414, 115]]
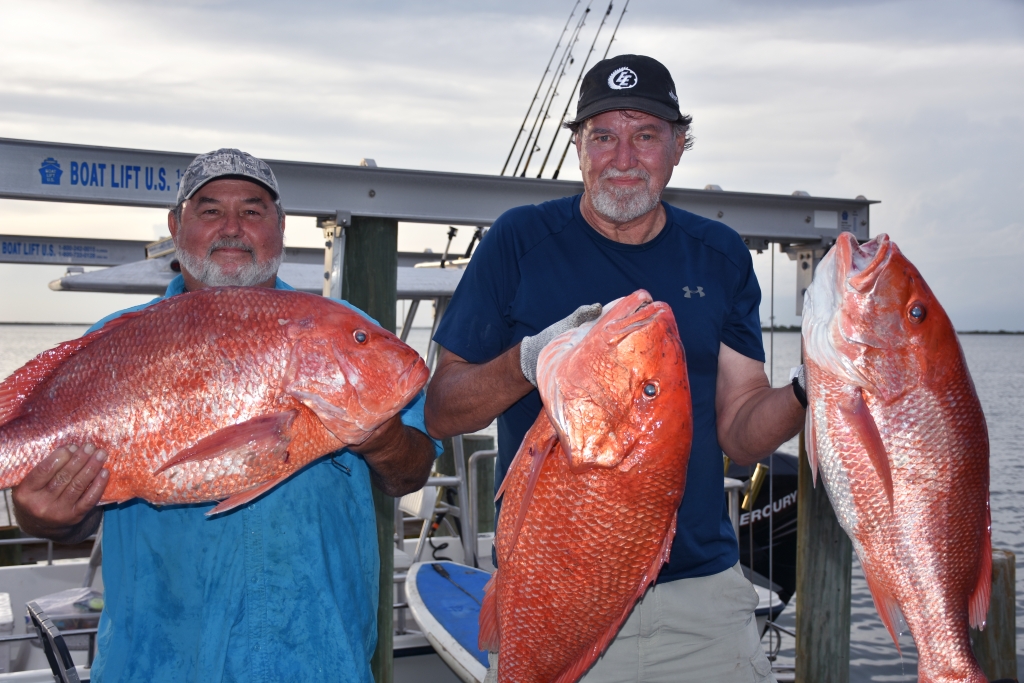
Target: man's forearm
[[766, 420], [465, 397]]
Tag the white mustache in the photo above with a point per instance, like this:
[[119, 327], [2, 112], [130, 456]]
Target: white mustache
[[230, 243], [633, 173]]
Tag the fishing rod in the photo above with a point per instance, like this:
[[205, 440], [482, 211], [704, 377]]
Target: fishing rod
[[568, 103], [542, 117], [606, 51], [547, 69], [617, 24], [551, 85]]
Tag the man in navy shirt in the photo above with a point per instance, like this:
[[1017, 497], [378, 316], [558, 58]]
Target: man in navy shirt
[[540, 270]]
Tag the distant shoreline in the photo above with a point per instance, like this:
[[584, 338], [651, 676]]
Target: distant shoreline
[[796, 328], [51, 324]]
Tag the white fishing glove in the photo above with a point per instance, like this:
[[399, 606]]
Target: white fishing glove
[[530, 347], [798, 378]]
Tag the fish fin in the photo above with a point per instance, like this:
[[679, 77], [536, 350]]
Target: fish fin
[[576, 669], [19, 386], [811, 446], [489, 637], [983, 591], [511, 467], [244, 497], [265, 435], [860, 419], [888, 609], [540, 456]]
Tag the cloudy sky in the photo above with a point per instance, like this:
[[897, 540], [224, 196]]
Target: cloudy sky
[[918, 104]]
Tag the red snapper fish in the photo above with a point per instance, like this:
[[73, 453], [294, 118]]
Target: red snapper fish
[[896, 430], [218, 394], [590, 501]]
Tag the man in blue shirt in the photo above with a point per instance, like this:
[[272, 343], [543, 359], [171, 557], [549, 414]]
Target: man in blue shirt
[[539, 271], [284, 588]]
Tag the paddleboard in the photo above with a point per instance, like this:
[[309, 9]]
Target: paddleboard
[[444, 598]]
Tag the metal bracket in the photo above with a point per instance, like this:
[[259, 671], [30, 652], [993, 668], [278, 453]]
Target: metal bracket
[[334, 251], [807, 257]]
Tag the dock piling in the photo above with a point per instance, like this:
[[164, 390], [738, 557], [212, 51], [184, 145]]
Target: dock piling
[[370, 282], [823, 567]]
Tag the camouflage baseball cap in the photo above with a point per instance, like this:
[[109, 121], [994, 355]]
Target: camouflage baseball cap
[[225, 162]]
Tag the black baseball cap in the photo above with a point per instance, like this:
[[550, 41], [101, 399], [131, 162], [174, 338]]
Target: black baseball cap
[[628, 82]]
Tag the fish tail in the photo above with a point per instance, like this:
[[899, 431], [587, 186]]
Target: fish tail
[[489, 637]]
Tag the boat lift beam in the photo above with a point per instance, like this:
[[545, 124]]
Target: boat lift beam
[[48, 171]]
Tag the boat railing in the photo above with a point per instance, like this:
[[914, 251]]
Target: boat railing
[[471, 521], [32, 540]]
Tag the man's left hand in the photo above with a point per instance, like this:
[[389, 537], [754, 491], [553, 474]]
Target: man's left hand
[[399, 456]]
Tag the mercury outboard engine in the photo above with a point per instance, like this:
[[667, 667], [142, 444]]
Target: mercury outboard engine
[[779, 499]]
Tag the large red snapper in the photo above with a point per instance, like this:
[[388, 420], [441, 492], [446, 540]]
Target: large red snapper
[[589, 503], [217, 394], [897, 432]]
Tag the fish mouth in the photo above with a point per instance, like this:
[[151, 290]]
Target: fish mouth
[[629, 314], [866, 262], [824, 340], [413, 379]]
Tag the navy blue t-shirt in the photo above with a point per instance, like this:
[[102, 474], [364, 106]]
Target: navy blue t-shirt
[[537, 264]]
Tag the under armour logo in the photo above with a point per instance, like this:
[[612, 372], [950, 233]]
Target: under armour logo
[[689, 292]]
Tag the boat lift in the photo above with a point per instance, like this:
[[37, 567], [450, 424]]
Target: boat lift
[[345, 198]]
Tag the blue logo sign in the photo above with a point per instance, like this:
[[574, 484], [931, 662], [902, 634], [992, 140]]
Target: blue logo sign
[[846, 215], [50, 171]]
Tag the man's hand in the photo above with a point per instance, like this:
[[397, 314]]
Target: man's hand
[[464, 397], [530, 347], [57, 499], [399, 456]]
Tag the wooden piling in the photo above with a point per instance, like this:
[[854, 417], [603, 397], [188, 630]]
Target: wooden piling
[[823, 565], [370, 282], [996, 646]]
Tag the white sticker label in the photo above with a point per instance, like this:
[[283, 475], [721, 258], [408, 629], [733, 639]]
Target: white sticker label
[[826, 220]]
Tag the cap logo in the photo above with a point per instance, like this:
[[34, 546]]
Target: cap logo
[[622, 78]]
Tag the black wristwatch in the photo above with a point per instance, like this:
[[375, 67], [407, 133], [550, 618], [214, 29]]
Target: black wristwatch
[[801, 395]]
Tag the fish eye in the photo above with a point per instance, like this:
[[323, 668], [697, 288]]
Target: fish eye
[[650, 389], [359, 336], [917, 312]]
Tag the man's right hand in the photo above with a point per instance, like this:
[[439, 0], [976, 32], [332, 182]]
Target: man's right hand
[[57, 499], [530, 347]]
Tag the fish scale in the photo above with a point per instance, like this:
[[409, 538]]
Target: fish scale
[[897, 432], [219, 375], [590, 501]]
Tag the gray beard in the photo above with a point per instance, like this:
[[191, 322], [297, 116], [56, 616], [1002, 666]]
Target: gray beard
[[211, 274], [620, 204]]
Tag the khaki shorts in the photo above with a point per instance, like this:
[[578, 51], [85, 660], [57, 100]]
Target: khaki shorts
[[699, 629]]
